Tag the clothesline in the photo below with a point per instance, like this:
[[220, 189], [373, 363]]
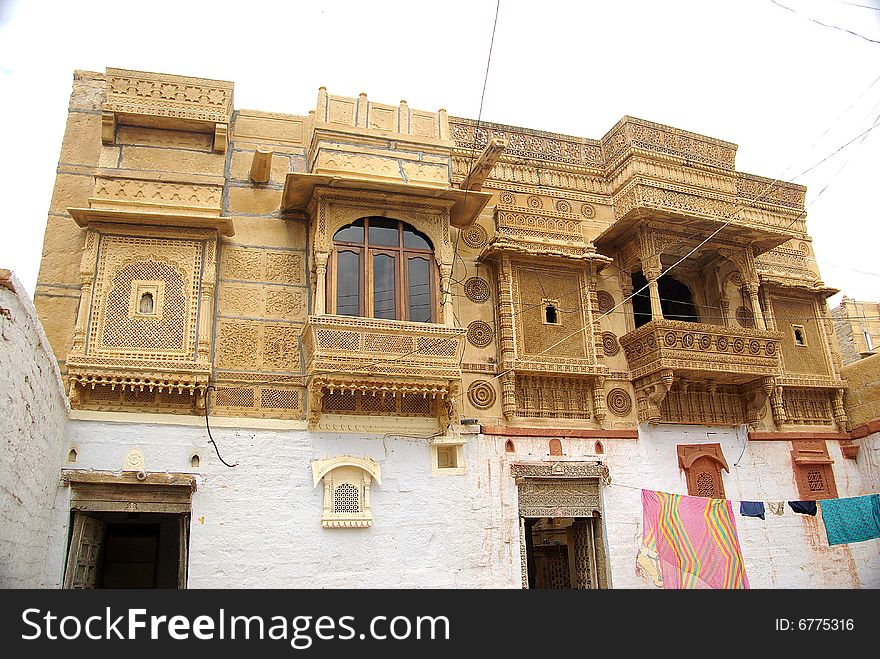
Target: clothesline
[[796, 498], [692, 542]]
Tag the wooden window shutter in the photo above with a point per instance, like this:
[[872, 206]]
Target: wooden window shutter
[[702, 464], [812, 469]]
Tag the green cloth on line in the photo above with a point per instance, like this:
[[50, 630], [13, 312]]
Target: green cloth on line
[[852, 519]]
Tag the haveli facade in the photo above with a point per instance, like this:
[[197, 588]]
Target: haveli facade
[[435, 352]]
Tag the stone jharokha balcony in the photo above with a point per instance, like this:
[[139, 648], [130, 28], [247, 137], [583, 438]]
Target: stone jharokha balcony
[[732, 355], [730, 371], [371, 366]]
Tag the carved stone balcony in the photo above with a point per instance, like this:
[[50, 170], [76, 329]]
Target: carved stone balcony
[[733, 369], [381, 361], [732, 355]]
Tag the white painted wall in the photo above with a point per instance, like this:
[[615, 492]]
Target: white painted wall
[[33, 410], [779, 552], [258, 525]]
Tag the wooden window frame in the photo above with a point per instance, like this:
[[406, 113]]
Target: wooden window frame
[[807, 455], [401, 255], [688, 457]]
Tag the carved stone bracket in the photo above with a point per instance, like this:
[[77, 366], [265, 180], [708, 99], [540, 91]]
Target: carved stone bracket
[[650, 393]]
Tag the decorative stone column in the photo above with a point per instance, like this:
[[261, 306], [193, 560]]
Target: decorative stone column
[[839, 411], [626, 287], [599, 409], [320, 306], [206, 305], [506, 331], [87, 280], [652, 268], [752, 289], [447, 311]]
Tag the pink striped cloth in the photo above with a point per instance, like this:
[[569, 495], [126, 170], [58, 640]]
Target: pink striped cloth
[[690, 542]]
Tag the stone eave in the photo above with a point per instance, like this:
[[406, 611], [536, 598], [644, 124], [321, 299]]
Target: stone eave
[[299, 187], [85, 217], [624, 229]]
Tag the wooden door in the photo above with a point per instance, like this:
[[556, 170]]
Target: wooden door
[[183, 555], [86, 543]]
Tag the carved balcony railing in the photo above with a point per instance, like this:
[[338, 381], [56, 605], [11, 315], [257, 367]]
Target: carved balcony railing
[[732, 355], [721, 374], [380, 364]]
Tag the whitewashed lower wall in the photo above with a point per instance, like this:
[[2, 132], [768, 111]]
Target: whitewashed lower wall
[[258, 525], [33, 410]]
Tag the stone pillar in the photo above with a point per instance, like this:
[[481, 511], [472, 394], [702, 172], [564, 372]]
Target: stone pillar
[[206, 320], [651, 268], [752, 288], [626, 287], [599, 410], [88, 265], [320, 306], [447, 311]]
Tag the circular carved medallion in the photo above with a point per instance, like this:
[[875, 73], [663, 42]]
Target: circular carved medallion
[[754, 347], [687, 341], [651, 341], [705, 342], [738, 344], [535, 202], [722, 343], [745, 317], [481, 394], [475, 236], [588, 211], [619, 402], [476, 289], [736, 279], [770, 348], [479, 333], [563, 206], [638, 346], [804, 249], [507, 198], [605, 301], [609, 344], [670, 338]]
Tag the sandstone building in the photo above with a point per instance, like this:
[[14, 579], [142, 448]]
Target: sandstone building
[[857, 324], [436, 352]]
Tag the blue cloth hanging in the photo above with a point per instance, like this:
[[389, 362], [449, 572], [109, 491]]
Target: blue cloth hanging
[[803, 507], [751, 509]]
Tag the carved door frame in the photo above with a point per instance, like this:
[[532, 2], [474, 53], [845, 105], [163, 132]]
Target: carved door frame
[[559, 489]]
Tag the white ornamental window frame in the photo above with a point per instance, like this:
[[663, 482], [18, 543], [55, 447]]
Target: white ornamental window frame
[[351, 472]]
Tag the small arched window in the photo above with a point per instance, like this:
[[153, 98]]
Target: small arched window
[[383, 268], [147, 304]]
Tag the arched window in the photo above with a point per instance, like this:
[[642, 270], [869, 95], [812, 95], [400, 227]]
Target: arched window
[[676, 300], [383, 268], [146, 304]]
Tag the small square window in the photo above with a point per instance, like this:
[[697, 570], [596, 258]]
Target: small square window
[[799, 335], [447, 460], [446, 457]]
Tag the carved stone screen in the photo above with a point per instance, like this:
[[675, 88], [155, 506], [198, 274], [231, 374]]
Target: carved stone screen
[[169, 269]]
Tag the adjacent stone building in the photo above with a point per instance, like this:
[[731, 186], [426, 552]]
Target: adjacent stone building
[[33, 412], [857, 325], [371, 345]]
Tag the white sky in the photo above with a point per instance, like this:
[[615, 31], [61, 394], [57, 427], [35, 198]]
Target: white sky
[[788, 91]]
